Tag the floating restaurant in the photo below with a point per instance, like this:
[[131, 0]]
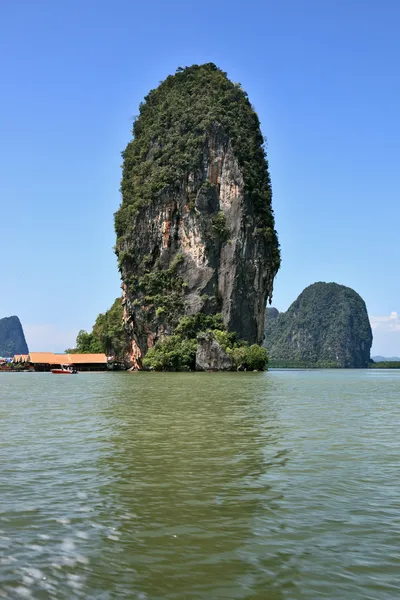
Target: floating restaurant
[[45, 361]]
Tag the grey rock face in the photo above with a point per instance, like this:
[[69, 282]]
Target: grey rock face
[[226, 261], [210, 356]]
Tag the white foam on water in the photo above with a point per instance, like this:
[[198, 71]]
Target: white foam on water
[[68, 545], [35, 548], [74, 577], [83, 560], [23, 592], [63, 521], [52, 589], [33, 572], [67, 561], [129, 516], [74, 581], [82, 535]]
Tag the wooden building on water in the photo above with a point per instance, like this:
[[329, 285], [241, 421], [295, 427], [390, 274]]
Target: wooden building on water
[[45, 361], [21, 358]]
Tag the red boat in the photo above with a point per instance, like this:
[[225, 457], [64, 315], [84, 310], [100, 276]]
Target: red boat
[[65, 370]]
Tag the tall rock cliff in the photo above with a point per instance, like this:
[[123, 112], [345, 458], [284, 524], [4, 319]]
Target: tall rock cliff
[[195, 230], [12, 338], [327, 326]]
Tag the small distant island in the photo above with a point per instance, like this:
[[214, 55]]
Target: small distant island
[[12, 337], [327, 326], [384, 363], [379, 359]]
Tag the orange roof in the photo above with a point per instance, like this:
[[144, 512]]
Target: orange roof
[[78, 359], [49, 358]]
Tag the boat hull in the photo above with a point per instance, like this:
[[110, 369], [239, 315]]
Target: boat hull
[[62, 372]]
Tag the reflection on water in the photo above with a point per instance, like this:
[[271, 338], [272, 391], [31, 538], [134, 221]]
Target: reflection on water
[[175, 486], [188, 463]]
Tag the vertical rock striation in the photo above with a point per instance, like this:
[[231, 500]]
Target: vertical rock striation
[[195, 230]]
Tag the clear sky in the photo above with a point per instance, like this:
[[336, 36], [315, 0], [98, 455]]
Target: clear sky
[[324, 78]]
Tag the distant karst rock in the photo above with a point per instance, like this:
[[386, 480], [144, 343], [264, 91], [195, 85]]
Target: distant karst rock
[[271, 312], [12, 338], [195, 230], [327, 326]]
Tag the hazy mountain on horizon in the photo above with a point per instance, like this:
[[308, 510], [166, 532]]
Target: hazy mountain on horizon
[[385, 358]]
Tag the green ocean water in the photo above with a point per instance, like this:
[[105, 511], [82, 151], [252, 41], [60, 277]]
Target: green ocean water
[[199, 486]]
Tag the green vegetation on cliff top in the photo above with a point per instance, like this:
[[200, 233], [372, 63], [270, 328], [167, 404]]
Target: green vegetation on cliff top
[[327, 326], [169, 137]]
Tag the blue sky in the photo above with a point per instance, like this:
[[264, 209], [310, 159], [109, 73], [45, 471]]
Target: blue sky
[[324, 79]]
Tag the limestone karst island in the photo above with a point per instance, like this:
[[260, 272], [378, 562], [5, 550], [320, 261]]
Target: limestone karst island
[[196, 241], [326, 326]]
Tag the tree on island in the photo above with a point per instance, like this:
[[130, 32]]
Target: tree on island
[[108, 335]]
